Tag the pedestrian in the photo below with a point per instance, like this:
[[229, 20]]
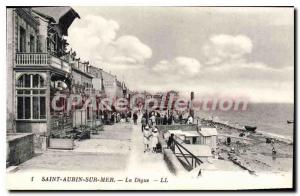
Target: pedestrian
[[150, 122], [135, 117], [144, 123], [128, 117], [170, 142], [180, 118], [123, 117], [170, 119], [273, 151], [165, 120], [154, 139], [157, 118], [112, 118], [147, 139], [147, 117], [152, 118], [228, 141], [118, 117], [190, 120]]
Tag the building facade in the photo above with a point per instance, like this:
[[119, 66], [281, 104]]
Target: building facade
[[37, 66], [82, 80], [39, 70], [112, 86], [97, 80]]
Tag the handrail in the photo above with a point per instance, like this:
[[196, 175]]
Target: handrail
[[32, 58], [188, 151], [31, 53], [41, 53], [194, 159], [178, 138], [176, 144]]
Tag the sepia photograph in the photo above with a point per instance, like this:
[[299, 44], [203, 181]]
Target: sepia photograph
[[150, 98]]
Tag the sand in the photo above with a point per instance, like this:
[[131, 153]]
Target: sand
[[251, 151]]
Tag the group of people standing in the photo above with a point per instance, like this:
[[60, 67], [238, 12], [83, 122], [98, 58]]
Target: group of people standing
[[165, 118], [156, 118], [149, 120], [112, 117], [151, 143]]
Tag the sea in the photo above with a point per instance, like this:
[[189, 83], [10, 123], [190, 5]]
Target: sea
[[269, 118]]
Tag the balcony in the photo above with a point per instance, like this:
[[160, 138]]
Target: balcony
[[42, 59]]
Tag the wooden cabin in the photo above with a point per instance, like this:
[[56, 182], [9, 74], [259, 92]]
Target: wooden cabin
[[208, 136]]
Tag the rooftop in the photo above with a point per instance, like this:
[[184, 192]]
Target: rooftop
[[64, 15], [207, 131]]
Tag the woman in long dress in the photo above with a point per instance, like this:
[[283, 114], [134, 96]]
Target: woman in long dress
[[152, 118], [154, 140], [147, 138]]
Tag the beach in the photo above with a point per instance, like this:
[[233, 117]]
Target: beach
[[251, 152]]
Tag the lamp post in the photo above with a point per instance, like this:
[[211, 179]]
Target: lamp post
[[190, 105]]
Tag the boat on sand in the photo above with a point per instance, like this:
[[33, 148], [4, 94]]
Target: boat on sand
[[250, 128]]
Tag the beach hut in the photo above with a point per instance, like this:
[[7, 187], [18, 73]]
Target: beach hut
[[208, 136], [188, 137], [191, 137]]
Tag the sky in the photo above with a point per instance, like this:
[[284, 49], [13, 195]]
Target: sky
[[214, 51]]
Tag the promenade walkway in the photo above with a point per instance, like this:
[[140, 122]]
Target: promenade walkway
[[119, 148], [147, 163]]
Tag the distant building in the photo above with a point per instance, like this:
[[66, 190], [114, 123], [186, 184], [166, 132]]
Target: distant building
[[97, 80], [112, 87], [82, 80], [165, 100]]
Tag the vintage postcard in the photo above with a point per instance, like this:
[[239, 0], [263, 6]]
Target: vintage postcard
[[150, 98]]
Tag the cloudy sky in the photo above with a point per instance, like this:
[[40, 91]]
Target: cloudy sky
[[236, 52]]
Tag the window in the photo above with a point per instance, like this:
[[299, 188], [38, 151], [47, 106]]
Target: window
[[31, 97], [22, 40], [32, 44]]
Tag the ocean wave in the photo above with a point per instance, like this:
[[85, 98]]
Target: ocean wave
[[241, 126]]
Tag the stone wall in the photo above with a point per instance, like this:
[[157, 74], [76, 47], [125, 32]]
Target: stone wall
[[20, 148], [10, 112], [173, 163], [40, 132]]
